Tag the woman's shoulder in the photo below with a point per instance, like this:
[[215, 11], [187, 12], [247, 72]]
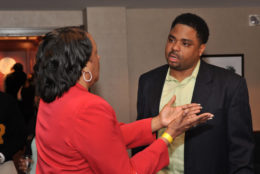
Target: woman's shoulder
[[93, 105], [95, 99], [87, 98]]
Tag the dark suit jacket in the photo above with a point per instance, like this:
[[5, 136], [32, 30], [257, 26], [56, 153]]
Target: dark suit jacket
[[223, 145]]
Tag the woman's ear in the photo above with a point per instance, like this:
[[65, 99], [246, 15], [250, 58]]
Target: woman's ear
[[87, 67]]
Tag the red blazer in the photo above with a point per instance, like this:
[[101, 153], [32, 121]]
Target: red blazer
[[79, 133]]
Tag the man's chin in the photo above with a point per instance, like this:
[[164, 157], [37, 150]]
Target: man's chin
[[173, 65]]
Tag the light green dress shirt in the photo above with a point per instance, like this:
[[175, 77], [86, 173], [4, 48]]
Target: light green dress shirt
[[183, 91]]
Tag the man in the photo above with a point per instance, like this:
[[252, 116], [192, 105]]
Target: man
[[224, 144], [12, 132]]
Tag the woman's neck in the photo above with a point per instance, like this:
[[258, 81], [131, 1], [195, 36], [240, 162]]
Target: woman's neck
[[83, 83]]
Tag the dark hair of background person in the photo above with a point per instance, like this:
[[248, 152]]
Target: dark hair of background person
[[18, 67], [196, 22], [61, 56]]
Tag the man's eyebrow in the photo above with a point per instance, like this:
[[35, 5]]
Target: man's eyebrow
[[183, 39], [170, 36], [187, 40]]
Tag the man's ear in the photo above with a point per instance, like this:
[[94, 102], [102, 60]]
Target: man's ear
[[201, 49]]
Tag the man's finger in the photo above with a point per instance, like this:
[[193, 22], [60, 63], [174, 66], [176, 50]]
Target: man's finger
[[171, 102]]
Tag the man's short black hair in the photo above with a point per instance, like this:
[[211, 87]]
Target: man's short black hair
[[196, 22]]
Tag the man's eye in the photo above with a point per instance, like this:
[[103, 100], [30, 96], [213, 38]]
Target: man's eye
[[186, 44], [171, 40]]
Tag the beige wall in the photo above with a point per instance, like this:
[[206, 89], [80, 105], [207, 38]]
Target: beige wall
[[37, 19], [229, 34], [108, 28]]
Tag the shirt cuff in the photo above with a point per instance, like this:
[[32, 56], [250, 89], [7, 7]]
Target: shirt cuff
[[2, 158]]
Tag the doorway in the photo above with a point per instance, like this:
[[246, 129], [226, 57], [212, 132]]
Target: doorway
[[18, 45]]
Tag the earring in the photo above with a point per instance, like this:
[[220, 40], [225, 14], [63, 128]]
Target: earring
[[90, 74]]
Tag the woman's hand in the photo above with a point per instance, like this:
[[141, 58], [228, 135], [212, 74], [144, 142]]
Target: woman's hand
[[169, 113]]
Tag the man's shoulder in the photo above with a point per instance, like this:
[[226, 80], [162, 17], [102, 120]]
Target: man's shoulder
[[9, 76], [220, 73], [161, 70]]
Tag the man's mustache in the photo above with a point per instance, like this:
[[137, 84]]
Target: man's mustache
[[174, 53]]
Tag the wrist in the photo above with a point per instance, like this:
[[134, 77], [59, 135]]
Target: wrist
[[166, 141], [167, 137], [156, 123]]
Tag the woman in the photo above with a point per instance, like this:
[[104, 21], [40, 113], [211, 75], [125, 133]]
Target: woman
[[77, 132]]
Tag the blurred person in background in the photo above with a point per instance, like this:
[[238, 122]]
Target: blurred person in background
[[15, 80]]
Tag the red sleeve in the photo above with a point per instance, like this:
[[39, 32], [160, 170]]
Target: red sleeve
[[151, 159], [99, 139], [138, 133]]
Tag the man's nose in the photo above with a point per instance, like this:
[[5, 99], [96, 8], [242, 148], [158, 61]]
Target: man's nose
[[176, 46]]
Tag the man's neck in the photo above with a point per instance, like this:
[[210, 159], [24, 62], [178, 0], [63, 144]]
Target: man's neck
[[181, 74]]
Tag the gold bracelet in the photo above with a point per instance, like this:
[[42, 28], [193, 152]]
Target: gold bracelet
[[167, 137]]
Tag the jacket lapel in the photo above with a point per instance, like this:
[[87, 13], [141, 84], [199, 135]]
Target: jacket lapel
[[158, 87], [203, 85]]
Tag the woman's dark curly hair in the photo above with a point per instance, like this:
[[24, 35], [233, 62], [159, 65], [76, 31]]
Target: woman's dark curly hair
[[61, 56]]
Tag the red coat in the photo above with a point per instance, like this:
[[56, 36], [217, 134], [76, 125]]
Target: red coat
[[79, 134]]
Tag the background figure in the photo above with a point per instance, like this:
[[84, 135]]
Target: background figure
[[223, 145], [12, 134], [28, 104], [15, 80]]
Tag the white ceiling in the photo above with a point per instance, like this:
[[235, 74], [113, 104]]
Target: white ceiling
[[81, 4]]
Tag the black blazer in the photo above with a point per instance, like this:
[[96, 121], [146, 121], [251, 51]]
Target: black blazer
[[223, 145]]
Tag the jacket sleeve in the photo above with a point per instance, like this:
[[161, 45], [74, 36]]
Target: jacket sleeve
[[140, 110], [138, 133], [99, 139], [240, 131], [140, 99]]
